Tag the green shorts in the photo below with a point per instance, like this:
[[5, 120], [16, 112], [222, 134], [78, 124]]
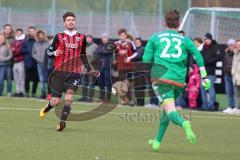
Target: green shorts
[[165, 91]]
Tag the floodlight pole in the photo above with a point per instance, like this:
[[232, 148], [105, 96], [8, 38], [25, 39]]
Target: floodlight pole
[[107, 16], [53, 17], [160, 12]]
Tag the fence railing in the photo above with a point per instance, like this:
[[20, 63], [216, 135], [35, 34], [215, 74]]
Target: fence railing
[[91, 22]]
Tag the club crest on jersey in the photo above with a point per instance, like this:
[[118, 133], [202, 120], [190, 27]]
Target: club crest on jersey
[[78, 39], [64, 39]]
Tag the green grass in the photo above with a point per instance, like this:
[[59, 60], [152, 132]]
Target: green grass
[[23, 135]]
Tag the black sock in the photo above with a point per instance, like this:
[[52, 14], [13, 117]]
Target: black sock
[[48, 108], [65, 112]]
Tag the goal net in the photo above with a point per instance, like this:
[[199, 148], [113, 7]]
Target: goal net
[[222, 23]]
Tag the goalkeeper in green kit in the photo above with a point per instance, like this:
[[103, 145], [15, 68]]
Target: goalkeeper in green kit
[[170, 50]]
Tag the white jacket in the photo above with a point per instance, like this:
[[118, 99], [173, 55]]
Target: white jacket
[[236, 68]]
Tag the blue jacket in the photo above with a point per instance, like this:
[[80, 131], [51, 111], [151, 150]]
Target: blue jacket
[[105, 57], [26, 49], [140, 52]]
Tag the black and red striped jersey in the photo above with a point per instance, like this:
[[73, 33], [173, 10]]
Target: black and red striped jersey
[[125, 49], [73, 47]]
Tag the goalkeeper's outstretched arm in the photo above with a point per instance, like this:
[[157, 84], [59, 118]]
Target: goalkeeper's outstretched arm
[[192, 49]]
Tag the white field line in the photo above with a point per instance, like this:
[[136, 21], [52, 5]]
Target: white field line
[[119, 106], [213, 116]]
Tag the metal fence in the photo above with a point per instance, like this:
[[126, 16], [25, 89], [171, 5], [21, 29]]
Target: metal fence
[[91, 22]]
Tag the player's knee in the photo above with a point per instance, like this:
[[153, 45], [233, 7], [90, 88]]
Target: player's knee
[[54, 101], [68, 99]]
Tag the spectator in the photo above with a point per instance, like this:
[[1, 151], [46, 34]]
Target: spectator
[[130, 37], [88, 85], [236, 77], [9, 34], [40, 56], [227, 67], [193, 86], [5, 56], [125, 52], [104, 81], [139, 77], [29, 63], [18, 64], [199, 43], [210, 53], [50, 64]]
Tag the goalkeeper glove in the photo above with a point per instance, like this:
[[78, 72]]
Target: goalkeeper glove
[[206, 83]]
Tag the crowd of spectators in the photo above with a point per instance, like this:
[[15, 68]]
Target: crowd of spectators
[[23, 59]]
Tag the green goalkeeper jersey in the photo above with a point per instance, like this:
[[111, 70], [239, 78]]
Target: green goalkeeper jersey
[[170, 50]]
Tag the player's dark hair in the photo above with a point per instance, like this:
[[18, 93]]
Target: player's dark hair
[[32, 27], [172, 19], [68, 14], [122, 30], [199, 40], [19, 30]]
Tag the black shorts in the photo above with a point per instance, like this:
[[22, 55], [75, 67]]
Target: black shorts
[[60, 82], [126, 75]]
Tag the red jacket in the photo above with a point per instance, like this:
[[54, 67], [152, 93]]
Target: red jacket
[[193, 86], [194, 78], [16, 47]]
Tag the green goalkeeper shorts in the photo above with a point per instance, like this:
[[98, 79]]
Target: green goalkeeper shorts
[[165, 91]]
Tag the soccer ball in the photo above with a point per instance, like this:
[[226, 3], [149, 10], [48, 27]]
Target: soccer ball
[[120, 88]]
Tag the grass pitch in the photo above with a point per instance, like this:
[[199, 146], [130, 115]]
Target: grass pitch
[[120, 135]]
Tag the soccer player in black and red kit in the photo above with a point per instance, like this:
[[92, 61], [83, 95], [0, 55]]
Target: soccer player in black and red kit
[[125, 52], [68, 50]]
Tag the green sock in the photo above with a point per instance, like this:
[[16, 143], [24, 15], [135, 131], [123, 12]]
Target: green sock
[[175, 118], [163, 126]]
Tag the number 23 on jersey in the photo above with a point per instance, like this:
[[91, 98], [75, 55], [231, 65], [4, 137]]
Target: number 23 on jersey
[[174, 42]]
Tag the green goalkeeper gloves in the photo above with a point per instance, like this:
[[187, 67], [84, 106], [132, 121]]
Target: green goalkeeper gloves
[[206, 83]]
